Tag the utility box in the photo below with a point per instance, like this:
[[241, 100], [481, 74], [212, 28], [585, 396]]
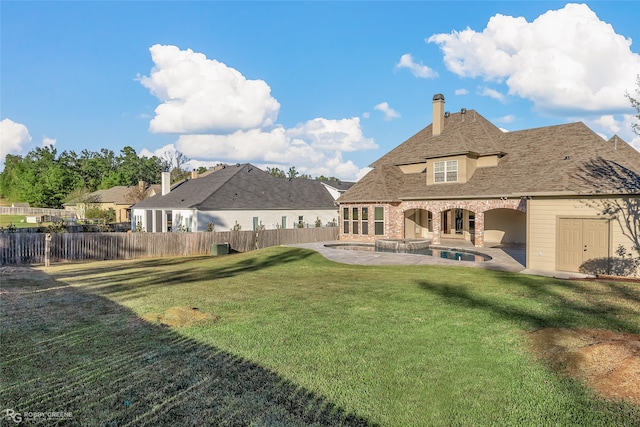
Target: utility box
[[220, 249]]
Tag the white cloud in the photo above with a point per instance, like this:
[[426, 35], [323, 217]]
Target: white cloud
[[328, 134], [224, 118], [566, 59], [203, 95], [609, 125], [48, 142], [314, 147], [509, 118], [461, 92], [361, 174], [13, 137], [492, 93], [366, 115], [389, 113], [418, 70]]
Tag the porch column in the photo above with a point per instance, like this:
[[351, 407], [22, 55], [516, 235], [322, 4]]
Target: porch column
[[479, 230], [437, 226], [154, 226], [165, 225]]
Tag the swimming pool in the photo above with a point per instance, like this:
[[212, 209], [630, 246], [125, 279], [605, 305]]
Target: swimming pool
[[439, 252]]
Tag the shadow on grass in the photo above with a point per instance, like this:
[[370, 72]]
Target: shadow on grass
[[134, 278], [548, 302], [68, 350]]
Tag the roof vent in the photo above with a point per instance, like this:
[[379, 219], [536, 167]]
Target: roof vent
[[567, 157], [463, 111]]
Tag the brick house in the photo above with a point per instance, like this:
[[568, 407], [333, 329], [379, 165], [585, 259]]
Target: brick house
[[563, 192]]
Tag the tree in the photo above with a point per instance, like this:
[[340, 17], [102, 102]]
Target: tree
[[136, 193], [293, 173], [278, 173], [174, 161], [635, 103]]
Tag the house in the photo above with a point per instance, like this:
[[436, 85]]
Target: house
[[564, 193], [240, 196], [337, 188], [119, 198]]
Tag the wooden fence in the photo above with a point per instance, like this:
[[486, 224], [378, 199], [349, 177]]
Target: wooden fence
[[32, 248], [62, 213]]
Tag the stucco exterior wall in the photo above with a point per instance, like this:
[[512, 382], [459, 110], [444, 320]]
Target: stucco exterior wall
[[542, 220], [505, 226]]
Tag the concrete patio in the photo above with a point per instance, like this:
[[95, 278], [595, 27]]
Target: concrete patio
[[507, 258]]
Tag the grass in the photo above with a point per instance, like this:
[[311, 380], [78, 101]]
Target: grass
[[17, 220], [299, 340]]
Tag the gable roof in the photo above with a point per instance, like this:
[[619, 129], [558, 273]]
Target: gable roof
[[117, 195], [462, 133], [561, 159], [340, 186], [243, 187]]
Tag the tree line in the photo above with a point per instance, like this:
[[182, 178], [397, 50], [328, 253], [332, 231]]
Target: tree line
[[45, 178]]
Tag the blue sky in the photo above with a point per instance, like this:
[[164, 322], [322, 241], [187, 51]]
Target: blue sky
[[327, 87]]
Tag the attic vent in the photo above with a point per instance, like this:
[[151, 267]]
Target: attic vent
[[446, 114]]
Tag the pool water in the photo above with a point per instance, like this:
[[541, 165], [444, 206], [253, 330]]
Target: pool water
[[446, 253]]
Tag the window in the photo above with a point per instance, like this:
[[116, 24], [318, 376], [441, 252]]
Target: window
[[345, 220], [378, 220], [284, 222], [446, 171], [300, 221], [365, 220], [255, 223], [354, 220]]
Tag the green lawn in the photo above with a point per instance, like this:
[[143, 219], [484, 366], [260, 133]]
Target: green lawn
[[17, 220], [299, 340]]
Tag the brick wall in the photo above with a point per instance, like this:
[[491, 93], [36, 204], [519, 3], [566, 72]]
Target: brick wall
[[395, 216]]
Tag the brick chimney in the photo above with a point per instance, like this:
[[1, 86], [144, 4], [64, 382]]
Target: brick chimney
[[438, 114]]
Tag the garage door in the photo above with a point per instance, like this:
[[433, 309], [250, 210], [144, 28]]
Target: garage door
[[580, 240]]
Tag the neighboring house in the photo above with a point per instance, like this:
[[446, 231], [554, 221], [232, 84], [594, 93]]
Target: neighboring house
[[562, 191], [119, 198], [337, 188], [239, 196]]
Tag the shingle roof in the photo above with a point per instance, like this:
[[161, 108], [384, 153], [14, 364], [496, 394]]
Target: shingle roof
[[117, 194], [562, 159], [462, 133], [243, 187]]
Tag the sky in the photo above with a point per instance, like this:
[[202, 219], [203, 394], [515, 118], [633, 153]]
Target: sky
[[327, 87]]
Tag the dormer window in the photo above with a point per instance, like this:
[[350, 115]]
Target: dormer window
[[445, 171]]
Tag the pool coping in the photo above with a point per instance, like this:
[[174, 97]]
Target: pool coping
[[500, 259]]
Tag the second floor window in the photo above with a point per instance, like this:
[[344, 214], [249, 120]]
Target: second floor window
[[445, 171]]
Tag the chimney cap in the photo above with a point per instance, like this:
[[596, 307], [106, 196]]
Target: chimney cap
[[438, 97]]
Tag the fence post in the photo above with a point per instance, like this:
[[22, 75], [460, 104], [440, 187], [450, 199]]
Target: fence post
[[47, 249]]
